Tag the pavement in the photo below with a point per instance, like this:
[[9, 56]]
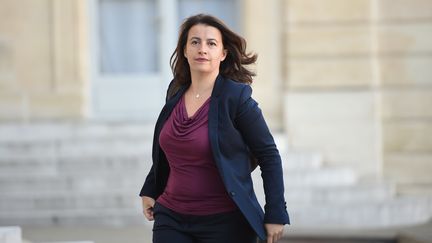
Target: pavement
[[97, 234], [142, 234]]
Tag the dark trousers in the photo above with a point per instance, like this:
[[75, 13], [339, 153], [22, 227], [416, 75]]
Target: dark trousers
[[170, 227]]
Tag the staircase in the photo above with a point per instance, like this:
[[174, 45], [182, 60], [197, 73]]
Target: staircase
[[321, 197], [65, 174], [91, 173], [10, 235]]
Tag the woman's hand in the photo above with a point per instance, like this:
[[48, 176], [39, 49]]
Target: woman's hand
[[274, 232], [148, 203]]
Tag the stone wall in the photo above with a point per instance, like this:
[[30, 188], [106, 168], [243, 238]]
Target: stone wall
[[40, 72], [404, 30], [358, 77], [331, 100]]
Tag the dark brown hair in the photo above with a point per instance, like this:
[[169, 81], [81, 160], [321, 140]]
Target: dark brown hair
[[233, 65]]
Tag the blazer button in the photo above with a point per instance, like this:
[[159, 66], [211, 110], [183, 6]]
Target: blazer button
[[232, 194]]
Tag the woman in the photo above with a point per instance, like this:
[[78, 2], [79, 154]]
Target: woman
[[199, 188]]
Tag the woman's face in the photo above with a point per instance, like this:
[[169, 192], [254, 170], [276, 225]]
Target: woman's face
[[204, 49]]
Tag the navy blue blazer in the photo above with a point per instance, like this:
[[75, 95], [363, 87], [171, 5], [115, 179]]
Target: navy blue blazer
[[236, 128]]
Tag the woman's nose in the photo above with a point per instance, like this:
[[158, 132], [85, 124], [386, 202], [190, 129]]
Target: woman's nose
[[202, 50]]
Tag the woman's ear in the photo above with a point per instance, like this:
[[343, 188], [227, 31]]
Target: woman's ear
[[225, 53]]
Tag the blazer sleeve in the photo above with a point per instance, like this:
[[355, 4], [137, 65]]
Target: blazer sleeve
[[149, 187], [251, 124]]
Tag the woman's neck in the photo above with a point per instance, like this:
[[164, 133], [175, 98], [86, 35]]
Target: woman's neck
[[202, 84]]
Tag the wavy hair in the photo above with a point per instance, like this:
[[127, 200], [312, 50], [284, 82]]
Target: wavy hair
[[233, 67]]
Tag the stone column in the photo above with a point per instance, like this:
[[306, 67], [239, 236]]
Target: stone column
[[331, 106], [262, 29], [40, 63]]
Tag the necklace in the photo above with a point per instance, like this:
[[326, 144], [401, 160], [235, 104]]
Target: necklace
[[203, 93], [198, 95]]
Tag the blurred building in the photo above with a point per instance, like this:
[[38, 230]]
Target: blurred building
[[346, 86]]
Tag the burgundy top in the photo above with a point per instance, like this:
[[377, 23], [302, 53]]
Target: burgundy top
[[194, 185]]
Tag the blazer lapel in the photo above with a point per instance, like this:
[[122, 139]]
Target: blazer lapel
[[213, 120]]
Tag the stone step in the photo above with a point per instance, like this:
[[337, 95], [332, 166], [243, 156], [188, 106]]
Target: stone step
[[49, 158], [50, 149], [320, 177], [307, 179], [40, 132], [296, 159], [75, 174], [340, 194], [11, 234], [18, 201], [75, 165], [67, 241], [119, 197], [81, 182], [394, 212], [82, 217], [301, 160]]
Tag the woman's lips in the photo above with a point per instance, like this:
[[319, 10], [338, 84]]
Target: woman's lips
[[201, 59]]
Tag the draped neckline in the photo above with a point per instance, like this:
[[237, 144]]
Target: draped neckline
[[183, 124]]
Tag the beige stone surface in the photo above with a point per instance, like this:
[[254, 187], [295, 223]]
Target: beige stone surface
[[342, 126], [330, 105], [96, 233], [407, 136], [66, 45], [328, 40], [11, 106], [407, 103], [414, 189], [329, 72], [26, 26], [406, 70], [404, 9], [262, 19], [56, 106], [327, 10], [408, 168], [405, 38], [6, 63], [39, 40]]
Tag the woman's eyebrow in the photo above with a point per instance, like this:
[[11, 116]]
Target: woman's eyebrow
[[197, 38]]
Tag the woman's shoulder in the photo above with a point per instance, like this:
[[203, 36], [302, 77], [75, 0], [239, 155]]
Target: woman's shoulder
[[236, 88], [235, 84]]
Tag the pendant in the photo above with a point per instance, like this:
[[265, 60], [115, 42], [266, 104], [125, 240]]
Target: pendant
[[197, 96]]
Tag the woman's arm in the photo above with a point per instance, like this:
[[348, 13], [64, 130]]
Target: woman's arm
[[251, 124]]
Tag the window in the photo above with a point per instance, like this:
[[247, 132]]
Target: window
[[131, 42], [128, 36], [227, 10]]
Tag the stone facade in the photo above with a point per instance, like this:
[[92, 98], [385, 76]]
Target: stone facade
[[41, 74], [345, 85], [404, 34], [358, 85]]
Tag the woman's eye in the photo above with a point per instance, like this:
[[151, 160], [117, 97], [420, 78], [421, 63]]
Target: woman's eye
[[194, 42], [212, 44]]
